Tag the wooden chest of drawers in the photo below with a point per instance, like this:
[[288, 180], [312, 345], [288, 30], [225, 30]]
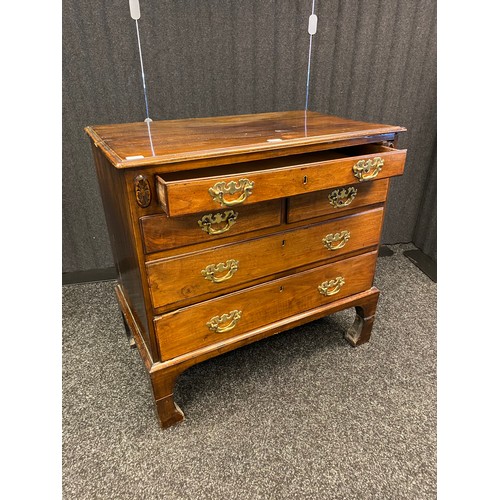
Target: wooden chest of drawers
[[227, 230]]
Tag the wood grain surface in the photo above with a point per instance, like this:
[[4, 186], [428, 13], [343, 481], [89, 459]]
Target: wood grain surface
[[190, 194], [317, 204], [160, 232], [186, 329], [180, 279], [123, 243], [287, 257], [191, 139]]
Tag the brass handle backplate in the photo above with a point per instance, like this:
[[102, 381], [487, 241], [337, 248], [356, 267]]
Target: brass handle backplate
[[229, 267], [365, 170], [331, 287], [219, 192], [337, 240], [224, 323], [229, 217], [343, 197]]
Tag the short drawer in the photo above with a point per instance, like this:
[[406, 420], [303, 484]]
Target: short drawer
[[160, 232], [210, 322], [334, 201], [208, 273], [278, 178]]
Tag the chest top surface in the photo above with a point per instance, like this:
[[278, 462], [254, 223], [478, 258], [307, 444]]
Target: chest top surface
[[136, 144]]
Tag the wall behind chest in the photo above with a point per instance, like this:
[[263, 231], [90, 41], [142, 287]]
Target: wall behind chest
[[373, 60]]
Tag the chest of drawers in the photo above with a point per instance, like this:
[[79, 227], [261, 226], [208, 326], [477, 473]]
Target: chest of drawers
[[227, 230]]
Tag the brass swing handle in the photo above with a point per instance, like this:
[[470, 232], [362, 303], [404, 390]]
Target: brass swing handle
[[343, 197], [219, 192], [337, 240], [363, 168], [228, 322], [229, 217], [229, 267], [328, 288]]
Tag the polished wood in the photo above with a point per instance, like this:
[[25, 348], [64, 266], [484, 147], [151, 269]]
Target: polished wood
[[360, 332], [180, 280], [181, 196], [260, 305], [163, 375], [160, 232], [317, 204], [162, 381], [257, 233], [170, 141], [121, 233], [182, 297]]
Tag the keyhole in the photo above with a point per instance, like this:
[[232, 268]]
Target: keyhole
[[281, 288], [305, 179], [283, 243]]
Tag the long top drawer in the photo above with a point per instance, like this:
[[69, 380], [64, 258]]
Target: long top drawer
[[181, 194]]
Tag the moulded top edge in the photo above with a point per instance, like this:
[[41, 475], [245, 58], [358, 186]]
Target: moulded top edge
[[170, 141]]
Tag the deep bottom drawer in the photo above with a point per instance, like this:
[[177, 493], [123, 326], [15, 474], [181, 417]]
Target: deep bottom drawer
[[212, 321]]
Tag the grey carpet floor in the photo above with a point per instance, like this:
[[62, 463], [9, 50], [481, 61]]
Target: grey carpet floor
[[299, 415]]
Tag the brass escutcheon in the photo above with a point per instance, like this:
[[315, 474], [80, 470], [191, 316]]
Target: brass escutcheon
[[337, 240], [342, 197], [331, 287], [229, 267], [231, 319], [219, 191], [229, 217], [362, 168]]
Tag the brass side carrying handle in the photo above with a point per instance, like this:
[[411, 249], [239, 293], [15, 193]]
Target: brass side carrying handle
[[219, 192], [229, 217], [343, 197], [228, 322], [337, 240], [363, 168], [229, 267], [328, 288]]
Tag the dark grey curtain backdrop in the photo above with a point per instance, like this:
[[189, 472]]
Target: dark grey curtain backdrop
[[373, 60]]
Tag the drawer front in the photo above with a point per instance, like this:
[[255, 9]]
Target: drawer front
[[160, 232], [338, 200], [213, 272], [184, 196], [216, 320]]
